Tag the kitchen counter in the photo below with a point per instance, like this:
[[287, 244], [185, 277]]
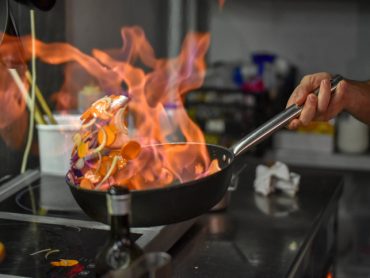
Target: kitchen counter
[[277, 236], [257, 236]]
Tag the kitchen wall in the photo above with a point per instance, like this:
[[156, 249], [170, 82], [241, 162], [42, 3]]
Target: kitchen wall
[[97, 24], [315, 36]]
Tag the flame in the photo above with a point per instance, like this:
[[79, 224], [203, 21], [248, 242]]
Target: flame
[[156, 91], [221, 4], [13, 121]]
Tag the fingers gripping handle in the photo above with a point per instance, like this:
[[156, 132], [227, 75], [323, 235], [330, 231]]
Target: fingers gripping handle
[[276, 123]]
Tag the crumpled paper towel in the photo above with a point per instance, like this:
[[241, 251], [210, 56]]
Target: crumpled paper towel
[[278, 176]]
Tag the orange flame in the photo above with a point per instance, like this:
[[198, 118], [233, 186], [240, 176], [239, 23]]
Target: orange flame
[[221, 4], [156, 108]]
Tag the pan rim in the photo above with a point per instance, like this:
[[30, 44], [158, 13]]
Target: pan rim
[[169, 187]]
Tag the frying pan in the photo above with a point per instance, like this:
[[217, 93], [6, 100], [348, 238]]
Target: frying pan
[[176, 203]]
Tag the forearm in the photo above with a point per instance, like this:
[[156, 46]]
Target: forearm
[[357, 99]]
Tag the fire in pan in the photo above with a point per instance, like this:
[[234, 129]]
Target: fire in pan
[[179, 202]]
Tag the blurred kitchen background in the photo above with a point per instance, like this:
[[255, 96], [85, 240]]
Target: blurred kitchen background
[[260, 49]]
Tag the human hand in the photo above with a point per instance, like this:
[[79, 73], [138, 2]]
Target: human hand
[[322, 107]]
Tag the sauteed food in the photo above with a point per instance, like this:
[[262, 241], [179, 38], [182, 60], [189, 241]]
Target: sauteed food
[[102, 147]]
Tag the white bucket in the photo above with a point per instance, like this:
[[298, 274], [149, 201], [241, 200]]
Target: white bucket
[[55, 144]]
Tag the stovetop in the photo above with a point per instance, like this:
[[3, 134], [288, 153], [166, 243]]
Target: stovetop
[[46, 196], [32, 247], [41, 223]]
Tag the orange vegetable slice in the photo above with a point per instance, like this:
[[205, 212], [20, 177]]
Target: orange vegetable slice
[[63, 262], [109, 171], [101, 107], [102, 104], [87, 115], [113, 128], [130, 150], [107, 132], [83, 149], [86, 184], [106, 165]]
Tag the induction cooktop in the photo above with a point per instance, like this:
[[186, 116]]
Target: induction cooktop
[[41, 224]]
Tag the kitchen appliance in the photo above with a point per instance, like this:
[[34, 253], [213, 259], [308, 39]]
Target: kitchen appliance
[[29, 225], [184, 201]]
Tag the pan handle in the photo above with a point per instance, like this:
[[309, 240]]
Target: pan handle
[[274, 124]]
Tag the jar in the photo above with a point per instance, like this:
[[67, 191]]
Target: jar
[[352, 135]]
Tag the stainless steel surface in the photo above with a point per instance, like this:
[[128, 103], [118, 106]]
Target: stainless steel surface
[[297, 239], [153, 264], [274, 124]]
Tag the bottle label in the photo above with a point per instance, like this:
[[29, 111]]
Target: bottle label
[[119, 205]]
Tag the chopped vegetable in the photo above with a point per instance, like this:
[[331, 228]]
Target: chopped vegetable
[[64, 263], [40, 251], [130, 150], [86, 184], [109, 135], [51, 252], [97, 156], [82, 149]]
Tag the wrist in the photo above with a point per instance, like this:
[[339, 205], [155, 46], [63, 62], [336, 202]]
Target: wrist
[[356, 99]]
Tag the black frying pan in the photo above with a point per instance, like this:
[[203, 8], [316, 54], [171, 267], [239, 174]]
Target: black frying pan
[[176, 203], [160, 206]]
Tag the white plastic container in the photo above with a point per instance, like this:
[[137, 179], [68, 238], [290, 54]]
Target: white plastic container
[[55, 144], [353, 135]]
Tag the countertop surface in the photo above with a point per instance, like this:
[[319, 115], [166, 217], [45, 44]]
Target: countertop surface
[[254, 237], [260, 236]]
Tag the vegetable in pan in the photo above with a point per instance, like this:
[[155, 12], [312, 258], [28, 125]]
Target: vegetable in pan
[[102, 147], [104, 154]]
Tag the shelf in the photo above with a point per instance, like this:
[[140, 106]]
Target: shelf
[[322, 160]]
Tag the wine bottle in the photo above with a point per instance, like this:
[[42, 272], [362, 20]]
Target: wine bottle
[[120, 250]]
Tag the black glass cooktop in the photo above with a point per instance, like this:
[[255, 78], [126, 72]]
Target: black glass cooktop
[[46, 196], [36, 249], [42, 227]]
